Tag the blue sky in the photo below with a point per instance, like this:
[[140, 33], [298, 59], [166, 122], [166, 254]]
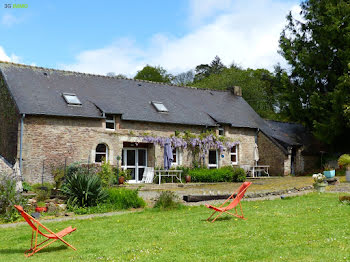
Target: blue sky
[[123, 36]]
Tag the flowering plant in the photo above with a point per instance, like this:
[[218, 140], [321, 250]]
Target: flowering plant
[[319, 178]]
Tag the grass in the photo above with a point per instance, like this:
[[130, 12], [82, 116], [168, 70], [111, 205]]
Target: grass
[[307, 228]]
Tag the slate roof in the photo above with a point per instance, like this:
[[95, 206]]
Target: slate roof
[[38, 91]]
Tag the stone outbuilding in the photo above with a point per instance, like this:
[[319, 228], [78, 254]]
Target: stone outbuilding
[[53, 117]]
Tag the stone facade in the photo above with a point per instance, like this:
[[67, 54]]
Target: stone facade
[[9, 119], [5, 167], [52, 141]]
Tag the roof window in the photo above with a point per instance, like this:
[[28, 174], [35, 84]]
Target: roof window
[[71, 99], [159, 106]]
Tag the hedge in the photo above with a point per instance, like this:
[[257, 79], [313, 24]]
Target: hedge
[[223, 174]]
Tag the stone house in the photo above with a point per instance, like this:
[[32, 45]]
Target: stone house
[[51, 117]]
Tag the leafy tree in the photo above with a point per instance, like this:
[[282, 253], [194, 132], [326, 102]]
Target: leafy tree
[[317, 49], [184, 79], [156, 74], [204, 70]]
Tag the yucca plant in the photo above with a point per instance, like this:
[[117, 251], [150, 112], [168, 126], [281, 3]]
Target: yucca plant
[[84, 190]]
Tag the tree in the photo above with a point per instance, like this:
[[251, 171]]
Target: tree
[[184, 79], [204, 70], [317, 49], [156, 74]]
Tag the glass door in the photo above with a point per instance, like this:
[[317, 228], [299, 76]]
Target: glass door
[[135, 160]]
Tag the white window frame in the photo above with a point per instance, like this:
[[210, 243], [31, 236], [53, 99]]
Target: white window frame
[[101, 153], [177, 153], [234, 154], [110, 121], [221, 129], [210, 166]]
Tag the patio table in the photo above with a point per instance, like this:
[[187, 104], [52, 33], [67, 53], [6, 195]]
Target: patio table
[[169, 173], [259, 169]]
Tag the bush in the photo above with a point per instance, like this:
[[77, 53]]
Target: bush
[[223, 174], [43, 191], [122, 198], [83, 190], [167, 200], [8, 198], [106, 174], [58, 176]]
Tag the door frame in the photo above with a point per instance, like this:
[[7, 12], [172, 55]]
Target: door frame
[[136, 166]]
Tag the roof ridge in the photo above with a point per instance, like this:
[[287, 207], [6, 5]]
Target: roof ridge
[[106, 76]]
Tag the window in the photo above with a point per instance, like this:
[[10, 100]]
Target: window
[[234, 155], [176, 156], [159, 106], [101, 153], [213, 159], [110, 122], [221, 131], [71, 99]]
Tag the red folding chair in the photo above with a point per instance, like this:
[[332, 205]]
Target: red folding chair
[[35, 225], [236, 200]]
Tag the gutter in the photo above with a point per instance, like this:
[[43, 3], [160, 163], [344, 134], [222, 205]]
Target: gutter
[[21, 145]]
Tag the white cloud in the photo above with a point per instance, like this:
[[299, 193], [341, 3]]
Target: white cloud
[[9, 20], [246, 32], [4, 57]]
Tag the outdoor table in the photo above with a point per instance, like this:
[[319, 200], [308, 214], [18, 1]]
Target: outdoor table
[[168, 173], [259, 169]]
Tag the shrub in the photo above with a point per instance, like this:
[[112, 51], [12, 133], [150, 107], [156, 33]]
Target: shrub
[[8, 198], [58, 176], [84, 190], [167, 200], [43, 191], [122, 198], [223, 174], [106, 174], [26, 186]]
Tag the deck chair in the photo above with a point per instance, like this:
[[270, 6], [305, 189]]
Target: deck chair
[[148, 175], [35, 225], [236, 196]]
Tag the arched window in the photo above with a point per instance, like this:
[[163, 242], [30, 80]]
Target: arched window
[[101, 153]]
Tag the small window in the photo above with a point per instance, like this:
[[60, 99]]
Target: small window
[[160, 106], [221, 131], [213, 159], [175, 156], [234, 155], [101, 153], [71, 99], [110, 122]]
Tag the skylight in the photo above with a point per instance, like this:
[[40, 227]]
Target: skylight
[[159, 106], [71, 99]]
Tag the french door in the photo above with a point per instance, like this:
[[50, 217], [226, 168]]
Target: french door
[[135, 160]]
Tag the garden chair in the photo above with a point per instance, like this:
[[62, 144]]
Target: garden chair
[[35, 225], [148, 175], [236, 196]]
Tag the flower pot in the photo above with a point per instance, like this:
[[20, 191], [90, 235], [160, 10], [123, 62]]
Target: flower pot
[[188, 179], [320, 187], [121, 180], [347, 174], [41, 209], [329, 174]]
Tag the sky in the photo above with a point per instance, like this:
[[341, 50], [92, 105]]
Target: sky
[[124, 36]]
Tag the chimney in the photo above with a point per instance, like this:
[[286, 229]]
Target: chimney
[[237, 90]]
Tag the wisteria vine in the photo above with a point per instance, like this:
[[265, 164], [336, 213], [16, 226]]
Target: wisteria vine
[[202, 144]]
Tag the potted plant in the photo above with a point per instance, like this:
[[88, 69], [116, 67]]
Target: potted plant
[[329, 171], [344, 160], [123, 176], [188, 178], [320, 182]]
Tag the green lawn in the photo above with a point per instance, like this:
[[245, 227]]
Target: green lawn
[[307, 228]]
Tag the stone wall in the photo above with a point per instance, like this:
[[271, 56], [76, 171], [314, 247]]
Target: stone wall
[[272, 155], [50, 141], [9, 122], [5, 167]]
